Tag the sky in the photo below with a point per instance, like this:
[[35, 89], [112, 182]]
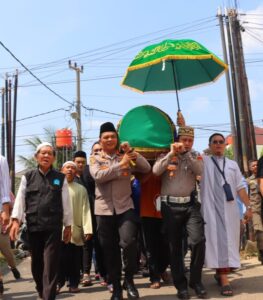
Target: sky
[[104, 36]]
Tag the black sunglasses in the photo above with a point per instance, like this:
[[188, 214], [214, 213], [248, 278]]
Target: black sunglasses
[[218, 142]]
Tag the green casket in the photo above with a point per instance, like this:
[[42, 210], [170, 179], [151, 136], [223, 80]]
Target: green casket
[[148, 130]]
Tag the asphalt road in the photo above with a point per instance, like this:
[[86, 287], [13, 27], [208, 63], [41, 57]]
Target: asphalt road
[[247, 284]]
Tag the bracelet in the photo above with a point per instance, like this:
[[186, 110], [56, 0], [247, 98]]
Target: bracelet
[[248, 207]]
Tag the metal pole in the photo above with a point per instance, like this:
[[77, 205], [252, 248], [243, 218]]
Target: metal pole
[[14, 134], [78, 106], [6, 120], [228, 85], [232, 15], [3, 124], [10, 122]]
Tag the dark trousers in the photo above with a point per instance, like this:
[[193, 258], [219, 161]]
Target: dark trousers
[[69, 268], [88, 248], [45, 253], [157, 247], [178, 220], [116, 232]]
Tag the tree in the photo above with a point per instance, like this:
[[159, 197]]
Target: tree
[[61, 154], [229, 152]]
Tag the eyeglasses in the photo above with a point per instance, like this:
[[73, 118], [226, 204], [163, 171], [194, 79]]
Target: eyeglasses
[[218, 142]]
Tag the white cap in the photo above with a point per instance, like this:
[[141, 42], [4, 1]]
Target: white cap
[[69, 162], [44, 144]]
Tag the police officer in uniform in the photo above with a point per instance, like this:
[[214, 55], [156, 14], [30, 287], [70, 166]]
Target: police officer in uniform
[[43, 197], [116, 217], [181, 212]]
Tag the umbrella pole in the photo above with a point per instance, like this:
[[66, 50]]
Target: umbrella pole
[[176, 85], [177, 99]]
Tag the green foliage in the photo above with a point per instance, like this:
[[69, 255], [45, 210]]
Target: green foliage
[[62, 155], [229, 152]]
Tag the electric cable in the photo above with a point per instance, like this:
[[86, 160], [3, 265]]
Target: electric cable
[[52, 91]]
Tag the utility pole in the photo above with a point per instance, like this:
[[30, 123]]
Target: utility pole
[[251, 140], [228, 85], [247, 133], [3, 124], [78, 106], [13, 162], [234, 90]]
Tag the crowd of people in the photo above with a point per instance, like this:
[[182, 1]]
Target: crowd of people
[[122, 204]]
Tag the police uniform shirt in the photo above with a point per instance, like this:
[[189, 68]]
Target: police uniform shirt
[[113, 184], [183, 181]]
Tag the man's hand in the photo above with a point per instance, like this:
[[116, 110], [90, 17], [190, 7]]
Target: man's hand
[[88, 236], [13, 234], [177, 148], [125, 162], [248, 214], [5, 216], [125, 147], [67, 234]]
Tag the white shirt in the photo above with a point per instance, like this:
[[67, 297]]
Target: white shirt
[[19, 206], [4, 181]]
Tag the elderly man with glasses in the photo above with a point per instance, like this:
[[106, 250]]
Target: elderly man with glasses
[[220, 185]]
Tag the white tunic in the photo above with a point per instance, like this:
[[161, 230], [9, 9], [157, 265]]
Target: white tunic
[[222, 221]]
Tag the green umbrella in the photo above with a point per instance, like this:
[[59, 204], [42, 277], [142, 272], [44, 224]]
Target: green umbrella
[[173, 65]]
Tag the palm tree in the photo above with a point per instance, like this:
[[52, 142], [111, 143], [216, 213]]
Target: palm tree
[[61, 154], [30, 162]]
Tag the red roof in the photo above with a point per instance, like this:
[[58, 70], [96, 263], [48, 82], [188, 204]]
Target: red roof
[[258, 134]]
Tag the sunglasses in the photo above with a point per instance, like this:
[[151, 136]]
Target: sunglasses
[[218, 142]]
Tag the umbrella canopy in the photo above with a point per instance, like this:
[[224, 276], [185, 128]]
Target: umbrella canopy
[[173, 65], [147, 129]]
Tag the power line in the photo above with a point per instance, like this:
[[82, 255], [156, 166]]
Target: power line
[[52, 91], [99, 110], [42, 114]]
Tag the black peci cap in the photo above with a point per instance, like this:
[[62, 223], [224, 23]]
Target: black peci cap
[[107, 127]]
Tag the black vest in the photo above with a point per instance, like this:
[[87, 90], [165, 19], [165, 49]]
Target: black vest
[[43, 200]]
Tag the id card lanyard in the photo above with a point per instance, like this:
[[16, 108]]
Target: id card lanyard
[[221, 172]]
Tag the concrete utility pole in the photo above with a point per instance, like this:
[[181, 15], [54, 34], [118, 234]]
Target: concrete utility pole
[[243, 111], [78, 107], [228, 85], [3, 124], [250, 130]]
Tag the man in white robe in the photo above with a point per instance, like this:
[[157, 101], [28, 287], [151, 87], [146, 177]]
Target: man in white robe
[[222, 229]]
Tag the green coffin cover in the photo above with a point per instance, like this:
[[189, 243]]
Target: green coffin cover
[[147, 129]]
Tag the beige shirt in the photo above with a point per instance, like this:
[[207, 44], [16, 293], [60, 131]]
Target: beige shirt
[[113, 185], [183, 181], [81, 213]]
